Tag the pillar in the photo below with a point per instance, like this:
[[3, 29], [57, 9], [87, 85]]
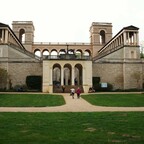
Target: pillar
[[73, 76], [124, 38], [62, 76], [51, 76], [6, 36]]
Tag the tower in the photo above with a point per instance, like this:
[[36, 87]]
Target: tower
[[24, 30], [100, 34]]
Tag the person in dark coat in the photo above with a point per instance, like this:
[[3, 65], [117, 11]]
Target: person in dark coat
[[78, 92]]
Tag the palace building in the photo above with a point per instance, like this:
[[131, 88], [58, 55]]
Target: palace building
[[111, 59]]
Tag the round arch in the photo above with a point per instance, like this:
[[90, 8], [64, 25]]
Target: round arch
[[45, 52], [79, 53], [78, 74], [87, 52], [56, 77], [67, 74], [37, 52], [102, 37], [53, 54], [22, 35], [62, 51]]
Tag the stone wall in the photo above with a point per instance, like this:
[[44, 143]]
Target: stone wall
[[121, 75], [19, 71], [19, 64], [133, 75], [109, 73]]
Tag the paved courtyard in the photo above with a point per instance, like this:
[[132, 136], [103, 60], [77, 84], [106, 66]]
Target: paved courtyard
[[72, 105]]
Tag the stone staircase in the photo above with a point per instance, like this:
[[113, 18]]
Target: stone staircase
[[58, 89]]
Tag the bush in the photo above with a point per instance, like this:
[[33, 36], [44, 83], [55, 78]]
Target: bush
[[97, 87], [34, 82], [20, 88]]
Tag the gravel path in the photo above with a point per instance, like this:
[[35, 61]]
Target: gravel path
[[72, 105]]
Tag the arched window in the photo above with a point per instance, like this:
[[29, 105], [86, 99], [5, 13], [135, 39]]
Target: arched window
[[102, 37], [22, 35]]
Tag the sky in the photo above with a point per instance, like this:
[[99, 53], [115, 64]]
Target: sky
[[70, 20]]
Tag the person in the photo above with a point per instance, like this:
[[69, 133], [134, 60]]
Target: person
[[63, 88], [91, 90], [72, 92], [78, 92], [75, 81]]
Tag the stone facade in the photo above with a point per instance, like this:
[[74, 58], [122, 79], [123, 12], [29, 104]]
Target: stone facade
[[115, 60], [86, 74]]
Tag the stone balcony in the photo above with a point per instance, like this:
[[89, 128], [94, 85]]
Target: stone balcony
[[66, 57]]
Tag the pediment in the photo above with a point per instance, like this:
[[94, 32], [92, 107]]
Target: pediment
[[131, 27]]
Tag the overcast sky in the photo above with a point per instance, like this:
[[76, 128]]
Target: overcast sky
[[70, 20]]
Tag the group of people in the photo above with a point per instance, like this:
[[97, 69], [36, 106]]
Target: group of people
[[73, 91], [78, 92]]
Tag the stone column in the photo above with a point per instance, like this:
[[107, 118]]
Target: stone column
[[6, 36], [62, 76], [137, 38], [73, 76], [124, 38], [3, 35], [84, 77], [51, 76]]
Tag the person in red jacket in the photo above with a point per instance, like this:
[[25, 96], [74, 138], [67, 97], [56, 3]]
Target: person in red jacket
[[78, 92]]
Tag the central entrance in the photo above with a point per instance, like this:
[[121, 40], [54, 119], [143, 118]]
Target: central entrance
[[70, 73], [67, 75]]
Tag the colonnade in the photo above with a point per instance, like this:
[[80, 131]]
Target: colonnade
[[128, 36], [7, 37], [67, 76]]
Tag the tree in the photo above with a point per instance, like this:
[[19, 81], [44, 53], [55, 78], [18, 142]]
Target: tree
[[3, 78]]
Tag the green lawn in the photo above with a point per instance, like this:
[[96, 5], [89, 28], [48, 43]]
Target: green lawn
[[116, 100], [72, 128], [30, 100]]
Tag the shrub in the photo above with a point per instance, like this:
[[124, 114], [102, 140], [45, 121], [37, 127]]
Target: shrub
[[34, 82], [20, 88], [97, 87]]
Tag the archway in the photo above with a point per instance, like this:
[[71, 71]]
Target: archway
[[78, 74], [22, 35], [37, 52], [102, 37], [67, 74], [56, 75]]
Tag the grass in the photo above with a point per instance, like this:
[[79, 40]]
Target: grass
[[115, 100], [30, 100], [72, 128]]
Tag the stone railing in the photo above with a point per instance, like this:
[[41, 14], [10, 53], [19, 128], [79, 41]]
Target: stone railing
[[60, 43], [66, 57]]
